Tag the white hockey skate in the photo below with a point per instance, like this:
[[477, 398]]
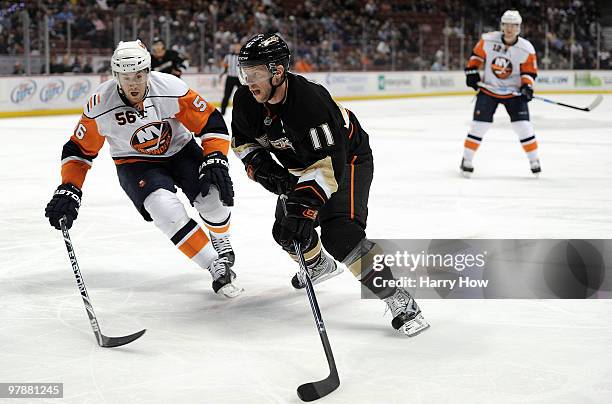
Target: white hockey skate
[[536, 168], [407, 316], [466, 168], [224, 279], [322, 269]]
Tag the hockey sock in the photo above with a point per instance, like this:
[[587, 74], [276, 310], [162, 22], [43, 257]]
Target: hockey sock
[[526, 134], [360, 262], [218, 229], [376, 282], [193, 242], [470, 146], [474, 138], [169, 215], [312, 252], [215, 215]]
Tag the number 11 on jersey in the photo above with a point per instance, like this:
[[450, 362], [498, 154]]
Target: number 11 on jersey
[[315, 136]]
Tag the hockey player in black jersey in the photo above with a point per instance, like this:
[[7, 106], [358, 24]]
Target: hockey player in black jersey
[[166, 60], [326, 171]]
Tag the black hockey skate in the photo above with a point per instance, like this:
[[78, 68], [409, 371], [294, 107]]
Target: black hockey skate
[[320, 269], [223, 247], [224, 279], [536, 168], [466, 168], [407, 316]]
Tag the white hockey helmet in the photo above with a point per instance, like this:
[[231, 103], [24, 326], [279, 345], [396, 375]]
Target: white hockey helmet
[[130, 57], [511, 17]]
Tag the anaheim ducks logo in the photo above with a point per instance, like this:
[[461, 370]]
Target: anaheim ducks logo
[[269, 41], [501, 67], [153, 138], [282, 144]]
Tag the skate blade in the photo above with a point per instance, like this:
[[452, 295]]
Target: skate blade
[[466, 174], [230, 290], [415, 326], [325, 277]]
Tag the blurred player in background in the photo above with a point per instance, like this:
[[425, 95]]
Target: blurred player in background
[[230, 65], [148, 119], [326, 168], [510, 69], [166, 60]]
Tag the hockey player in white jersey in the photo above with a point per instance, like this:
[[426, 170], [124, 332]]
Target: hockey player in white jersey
[[148, 119], [510, 68]]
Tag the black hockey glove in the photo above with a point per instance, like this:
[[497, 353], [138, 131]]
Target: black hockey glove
[[472, 77], [297, 224], [215, 171], [527, 92], [65, 202], [273, 177]]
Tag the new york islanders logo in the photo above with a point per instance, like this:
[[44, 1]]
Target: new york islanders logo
[[501, 67], [153, 138]]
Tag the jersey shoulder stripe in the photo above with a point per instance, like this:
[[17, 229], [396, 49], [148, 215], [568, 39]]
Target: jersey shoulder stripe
[[105, 98], [92, 102], [97, 103]]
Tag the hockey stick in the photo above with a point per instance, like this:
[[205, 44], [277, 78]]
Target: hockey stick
[[509, 91], [315, 390], [103, 340], [590, 107]]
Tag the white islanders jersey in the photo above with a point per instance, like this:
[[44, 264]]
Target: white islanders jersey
[[156, 129], [506, 67]]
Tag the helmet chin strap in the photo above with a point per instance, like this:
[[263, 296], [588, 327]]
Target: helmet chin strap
[[274, 87]]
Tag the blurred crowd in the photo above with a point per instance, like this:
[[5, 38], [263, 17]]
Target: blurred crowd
[[329, 35]]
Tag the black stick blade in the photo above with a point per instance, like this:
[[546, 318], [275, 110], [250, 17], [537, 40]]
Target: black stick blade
[[111, 342], [315, 390]]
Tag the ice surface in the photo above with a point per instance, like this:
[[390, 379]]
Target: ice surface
[[201, 348]]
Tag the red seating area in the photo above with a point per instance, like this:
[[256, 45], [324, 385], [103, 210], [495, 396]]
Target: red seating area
[[330, 35]]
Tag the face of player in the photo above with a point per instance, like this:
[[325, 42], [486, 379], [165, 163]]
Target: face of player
[[158, 50], [134, 85], [510, 30], [258, 80]]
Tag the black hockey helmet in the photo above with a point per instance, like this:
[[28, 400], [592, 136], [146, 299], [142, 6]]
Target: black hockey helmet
[[265, 49], [269, 50]]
